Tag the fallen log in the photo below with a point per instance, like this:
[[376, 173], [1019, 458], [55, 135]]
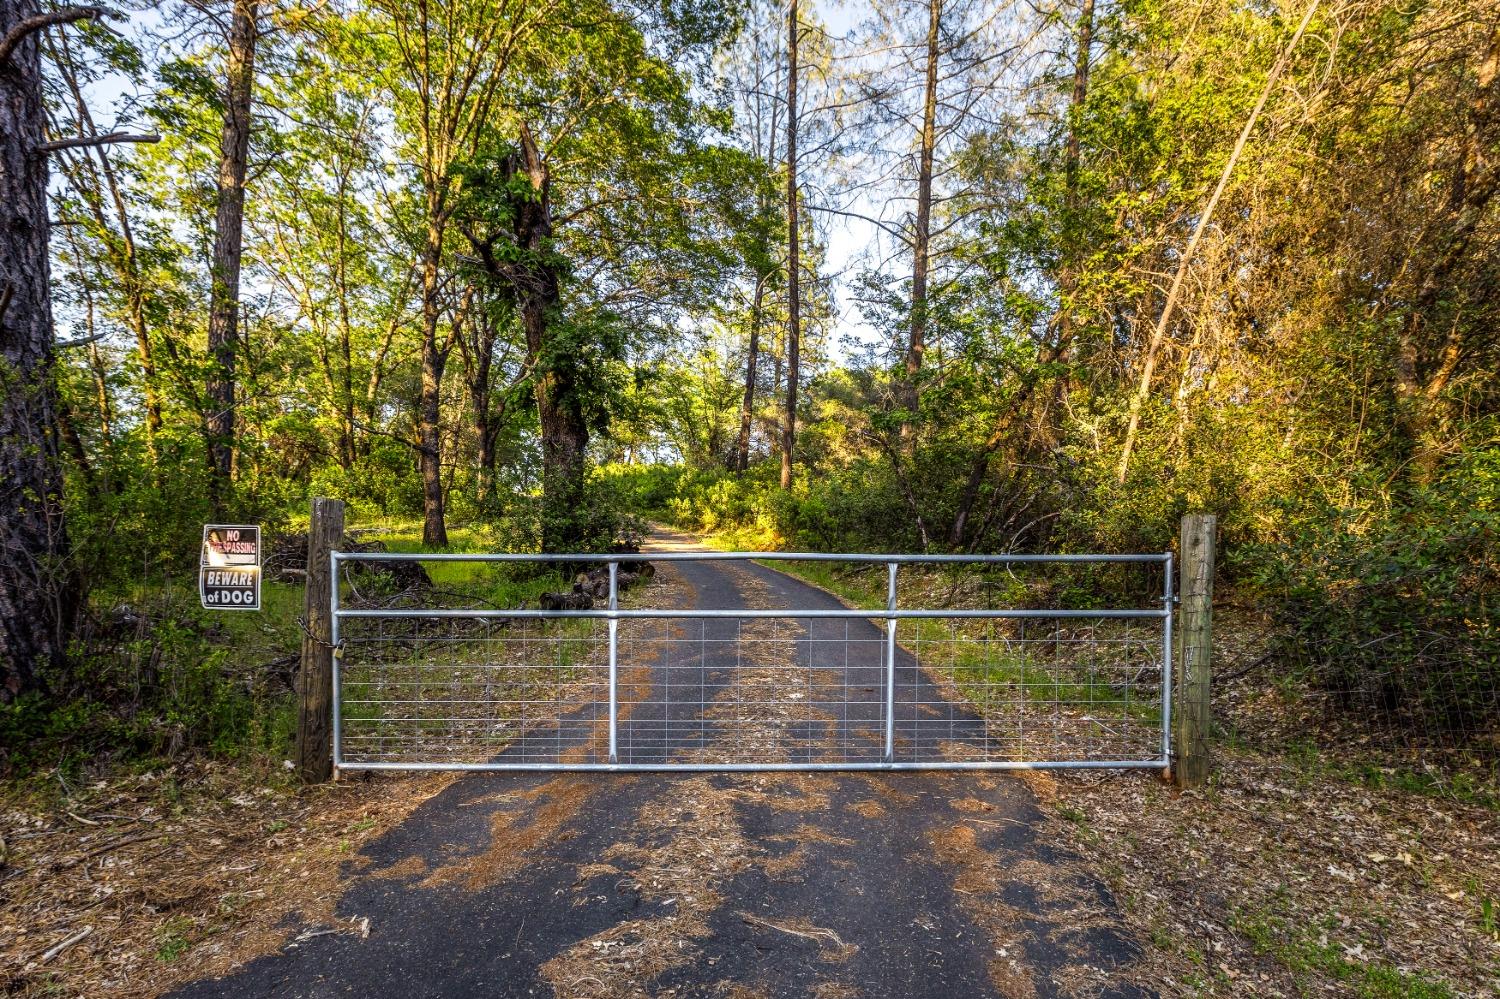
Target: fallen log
[[567, 601]]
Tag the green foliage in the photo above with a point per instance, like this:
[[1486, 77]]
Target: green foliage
[[602, 521], [172, 939], [717, 502], [820, 513], [141, 522], [1394, 609], [383, 483], [1473, 786], [648, 489], [156, 677]]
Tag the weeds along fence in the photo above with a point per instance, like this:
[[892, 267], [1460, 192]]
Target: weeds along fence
[[1420, 705], [1396, 676]]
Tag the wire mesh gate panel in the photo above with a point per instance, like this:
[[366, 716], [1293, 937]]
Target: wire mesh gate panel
[[646, 683]]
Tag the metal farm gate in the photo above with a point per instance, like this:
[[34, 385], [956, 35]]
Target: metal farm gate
[[659, 678]]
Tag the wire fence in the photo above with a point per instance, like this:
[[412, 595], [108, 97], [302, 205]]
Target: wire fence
[[1427, 717]]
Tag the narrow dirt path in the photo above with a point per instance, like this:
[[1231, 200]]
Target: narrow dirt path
[[752, 885]]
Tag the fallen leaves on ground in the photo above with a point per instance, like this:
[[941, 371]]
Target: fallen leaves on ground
[[130, 885], [1276, 880]]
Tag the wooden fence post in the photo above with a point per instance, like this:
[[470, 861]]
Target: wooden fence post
[[315, 683], [1193, 717]]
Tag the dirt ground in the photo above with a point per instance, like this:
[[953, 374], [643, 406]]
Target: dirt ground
[[1279, 881], [128, 886], [1273, 881]]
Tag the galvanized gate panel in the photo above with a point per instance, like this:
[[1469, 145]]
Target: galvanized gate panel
[[808, 688]]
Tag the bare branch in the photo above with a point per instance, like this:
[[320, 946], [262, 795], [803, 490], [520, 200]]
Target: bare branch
[[80, 342], [386, 433], [31, 25], [892, 230], [96, 140]]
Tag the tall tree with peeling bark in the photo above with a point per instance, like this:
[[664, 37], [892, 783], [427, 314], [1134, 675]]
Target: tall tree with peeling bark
[[926, 76], [451, 59], [517, 254], [921, 250], [758, 112], [35, 606], [928, 79], [596, 223]]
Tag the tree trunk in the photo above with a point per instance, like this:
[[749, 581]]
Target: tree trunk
[[922, 236], [484, 427], [67, 425], [345, 400], [478, 359], [565, 432], [565, 439], [229, 223], [1080, 95], [793, 264], [429, 406], [526, 272], [968, 496], [101, 393], [747, 408], [1054, 400], [35, 604]]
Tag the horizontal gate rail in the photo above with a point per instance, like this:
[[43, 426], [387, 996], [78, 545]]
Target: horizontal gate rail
[[749, 613], [863, 557], [1010, 698]]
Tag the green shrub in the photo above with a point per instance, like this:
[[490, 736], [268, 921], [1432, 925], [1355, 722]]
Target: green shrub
[[382, 483], [1394, 611], [156, 677]]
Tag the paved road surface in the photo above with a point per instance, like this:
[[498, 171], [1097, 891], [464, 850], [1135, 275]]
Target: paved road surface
[[828, 886]]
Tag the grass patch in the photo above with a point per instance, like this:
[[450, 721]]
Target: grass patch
[[1309, 953], [172, 941], [1464, 787], [496, 584], [425, 686]]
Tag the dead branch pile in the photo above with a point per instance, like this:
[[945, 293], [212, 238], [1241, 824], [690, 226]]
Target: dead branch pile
[[593, 585], [285, 561]]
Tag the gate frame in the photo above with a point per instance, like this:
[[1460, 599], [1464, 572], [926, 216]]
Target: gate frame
[[891, 614]]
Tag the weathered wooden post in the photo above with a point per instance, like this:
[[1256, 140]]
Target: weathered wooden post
[[315, 683], [1192, 718]]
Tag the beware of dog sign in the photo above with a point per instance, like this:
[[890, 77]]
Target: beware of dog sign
[[229, 571]]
